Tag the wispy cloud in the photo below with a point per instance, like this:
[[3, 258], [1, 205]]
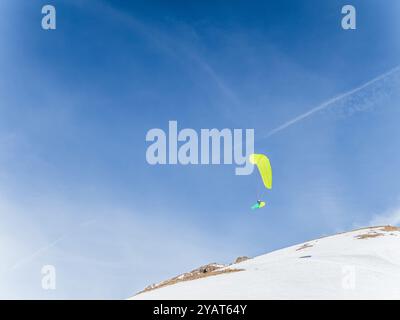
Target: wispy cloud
[[390, 217], [331, 102], [180, 50]]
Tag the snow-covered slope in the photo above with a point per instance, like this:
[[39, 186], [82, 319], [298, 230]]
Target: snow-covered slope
[[362, 264]]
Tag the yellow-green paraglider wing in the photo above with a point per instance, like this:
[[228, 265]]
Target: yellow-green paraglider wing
[[264, 167]]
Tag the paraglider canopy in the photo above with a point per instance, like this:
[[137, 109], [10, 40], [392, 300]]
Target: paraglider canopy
[[264, 168]]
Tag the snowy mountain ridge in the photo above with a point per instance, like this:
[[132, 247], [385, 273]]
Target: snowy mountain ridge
[[361, 264]]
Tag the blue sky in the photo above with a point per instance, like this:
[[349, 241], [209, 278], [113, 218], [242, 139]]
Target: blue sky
[[76, 103]]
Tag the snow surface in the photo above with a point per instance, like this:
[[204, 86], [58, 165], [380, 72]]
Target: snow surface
[[336, 267]]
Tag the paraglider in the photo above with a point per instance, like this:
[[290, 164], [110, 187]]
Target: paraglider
[[258, 205], [265, 170]]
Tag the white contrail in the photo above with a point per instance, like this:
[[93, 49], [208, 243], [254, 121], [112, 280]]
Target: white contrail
[[36, 253], [47, 247], [328, 103]]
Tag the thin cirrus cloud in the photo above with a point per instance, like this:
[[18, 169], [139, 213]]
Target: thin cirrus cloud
[[176, 49], [390, 217]]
